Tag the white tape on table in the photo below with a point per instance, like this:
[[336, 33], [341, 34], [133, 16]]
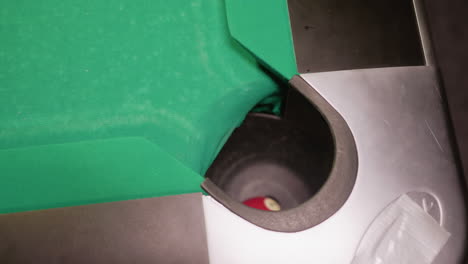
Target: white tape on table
[[403, 233]]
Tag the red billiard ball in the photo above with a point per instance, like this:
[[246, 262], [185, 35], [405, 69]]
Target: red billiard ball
[[263, 203]]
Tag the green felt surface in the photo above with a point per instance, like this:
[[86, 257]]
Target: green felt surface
[[90, 172], [263, 27], [106, 100]]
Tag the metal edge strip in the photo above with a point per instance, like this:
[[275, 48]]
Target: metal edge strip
[[424, 34]]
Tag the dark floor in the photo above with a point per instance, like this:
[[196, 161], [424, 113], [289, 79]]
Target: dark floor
[[448, 21]]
